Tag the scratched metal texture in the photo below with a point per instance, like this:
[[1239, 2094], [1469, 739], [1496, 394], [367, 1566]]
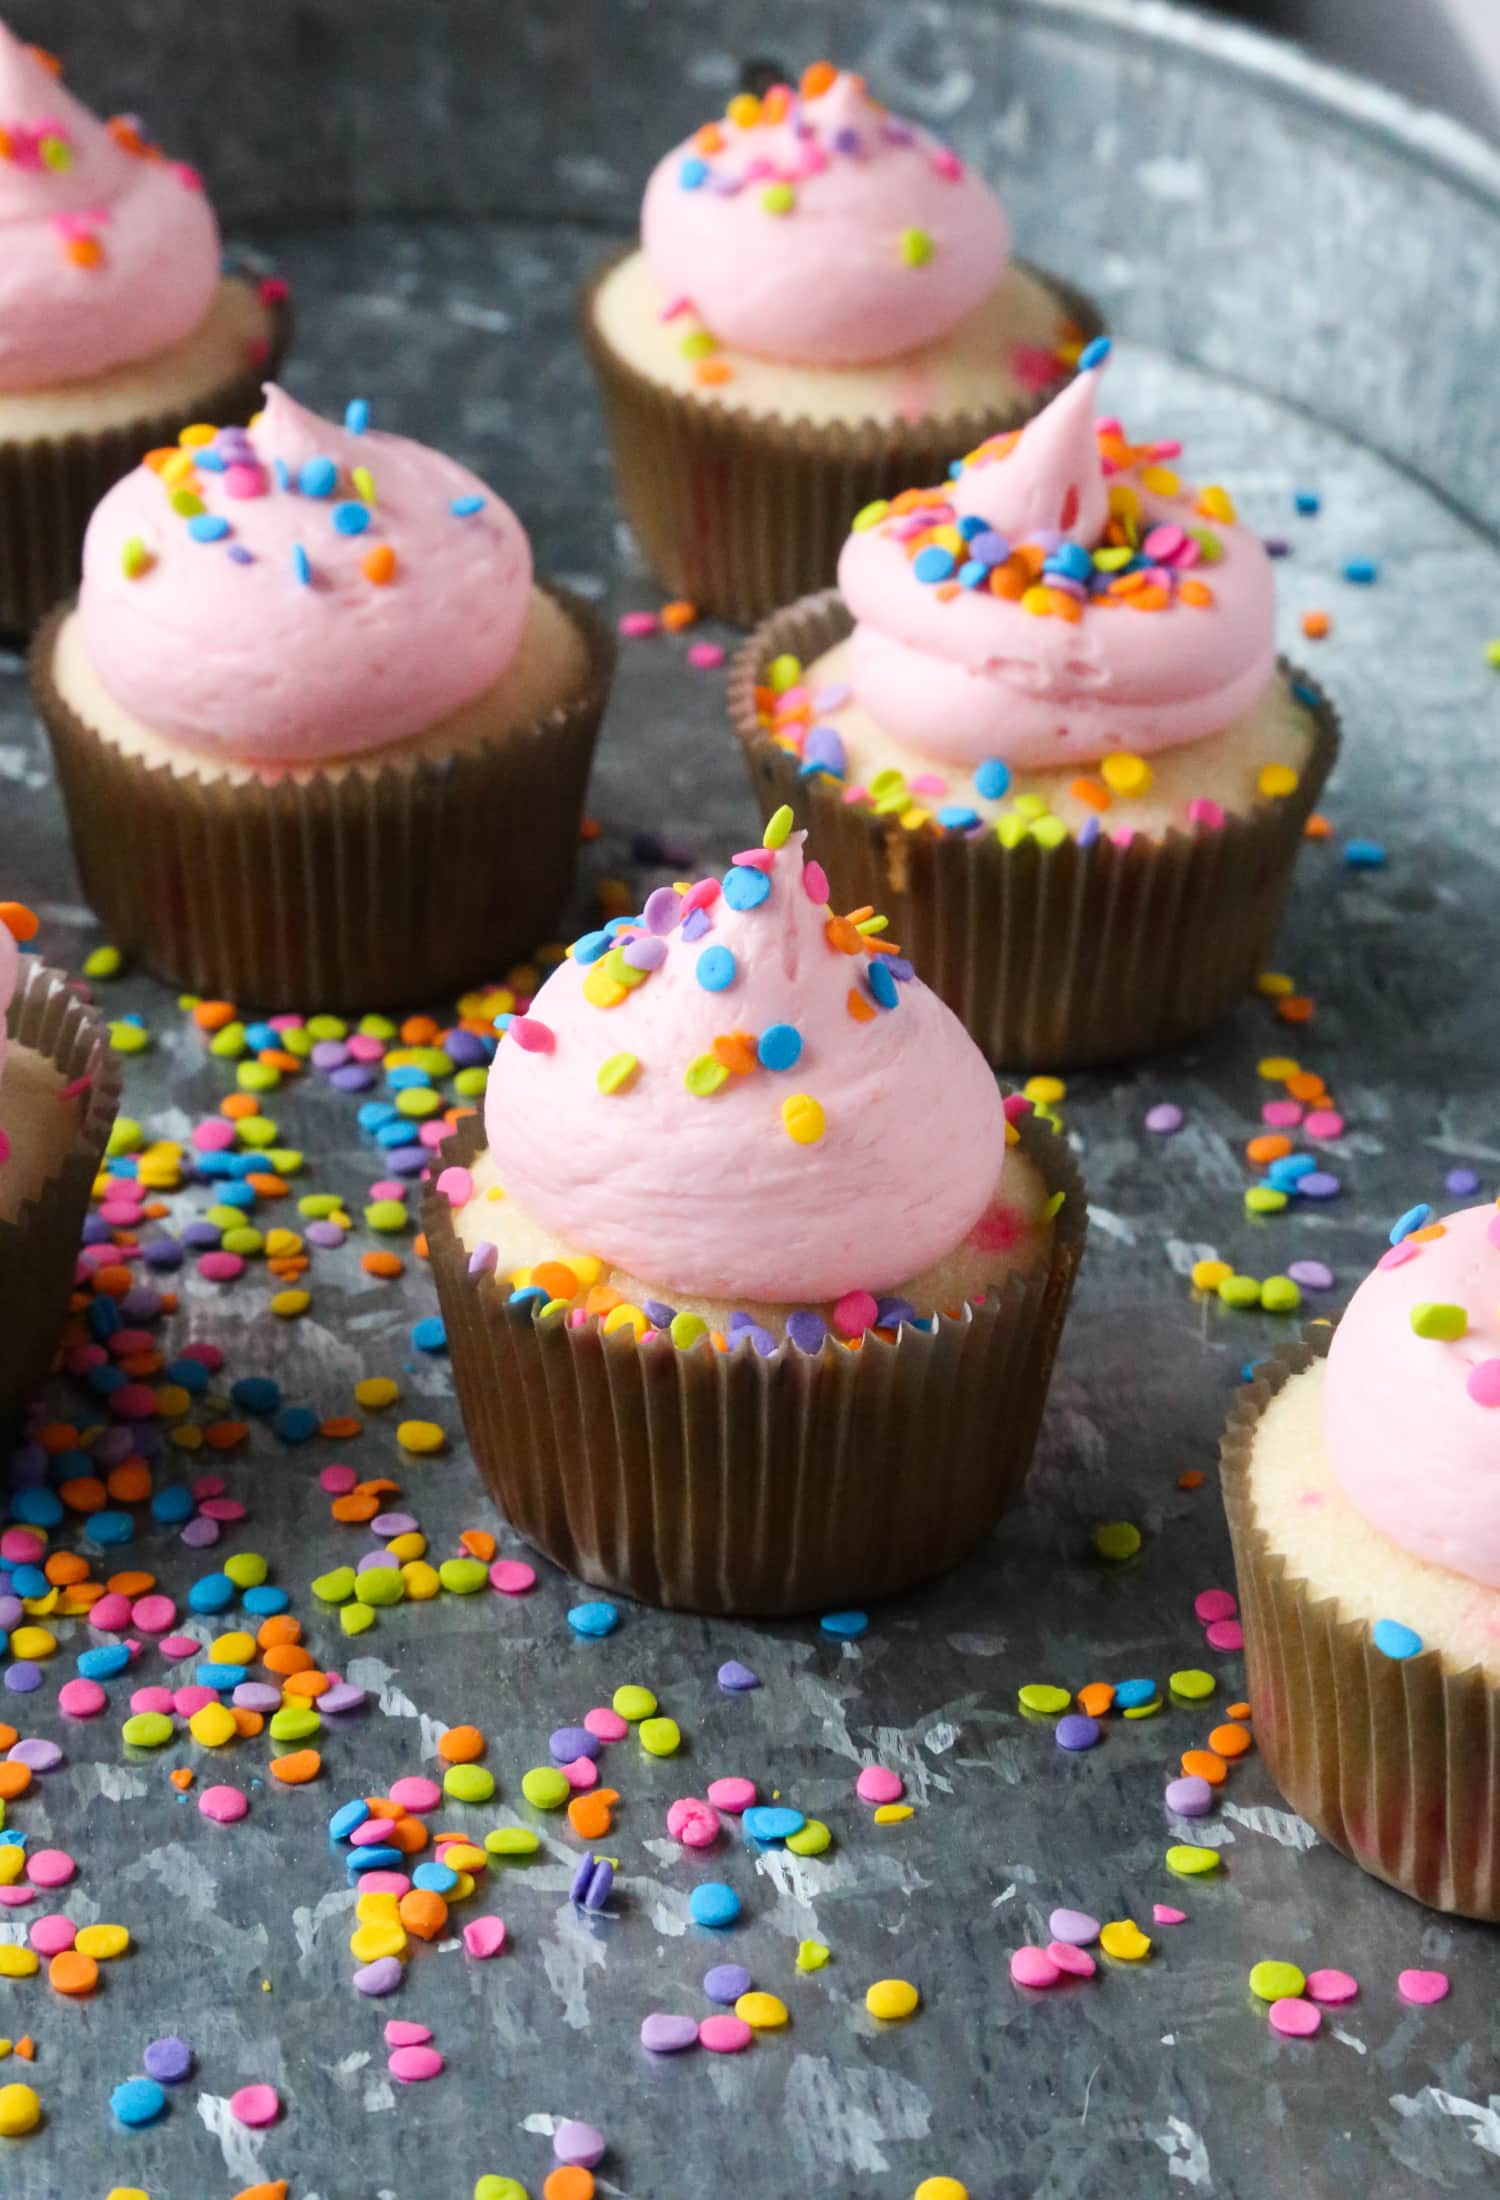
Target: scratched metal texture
[[1305, 278]]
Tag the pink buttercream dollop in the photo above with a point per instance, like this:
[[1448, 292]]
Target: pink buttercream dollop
[[1413, 1433], [712, 1196], [107, 252], [887, 244], [270, 642], [965, 674]]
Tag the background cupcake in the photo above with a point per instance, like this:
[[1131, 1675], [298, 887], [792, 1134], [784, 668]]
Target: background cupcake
[[1362, 1482], [1044, 723], [824, 307], [309, 670], [59, 1087], [751, 1290], [117, 324]]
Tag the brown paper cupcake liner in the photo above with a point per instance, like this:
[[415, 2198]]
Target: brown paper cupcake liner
[[723, 1482], [741, 511], [39, 1246], [375, 885], [49, 485], [1054, 958], [1395, 1761]]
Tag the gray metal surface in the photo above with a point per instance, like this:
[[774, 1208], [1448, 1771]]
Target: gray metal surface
[[1154, 2080]]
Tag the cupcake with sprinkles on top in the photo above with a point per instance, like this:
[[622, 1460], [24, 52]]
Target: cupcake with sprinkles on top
[[823, 307], [322, 739], [59, 1087], [118, 324], [1362, 1482], [1042, 720], [751, 1282]]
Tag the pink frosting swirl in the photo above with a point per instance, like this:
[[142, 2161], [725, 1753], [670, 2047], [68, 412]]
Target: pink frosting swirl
[[712, 1193], [1071, 670], [107, 251], [1411, 1421], [820, 230], [298, 590]]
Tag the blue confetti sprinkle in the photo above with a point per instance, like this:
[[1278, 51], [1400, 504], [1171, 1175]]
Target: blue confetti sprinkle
[[301, 565], [714, 1904], [745, 888], [1364, 855], [1094, 354], [992, 779], [846, 1626], [1393, 1640], [693, 173], [1307, 501], [429, 1335], [350, 518], [466, 507], [1415, 1218], [715, 969], [357, 415], [208, 527], [318, 477]]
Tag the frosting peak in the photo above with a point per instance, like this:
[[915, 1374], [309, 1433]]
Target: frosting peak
[[1411, 1394], [736, 1094], [812, 226], [108, 252], [296, 591], [999, 614]]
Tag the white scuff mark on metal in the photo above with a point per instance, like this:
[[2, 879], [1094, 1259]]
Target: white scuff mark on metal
[[1169, 2039], [900, 1751], [20, 766], [1350, 2041], [1482, 2120], [1187, 2156], [345, 2073], [1087, 2090], [567, 1958], [379, 2094], [978, 1646], [306, 1923], [941, 1738], [843, 2118], [1177, 181], [116, 1783], [539, 2122], [1006, 1894], [586, 172], [379, 1678], [1112, 1225], [469, 314], [1183, 1258], [241, 2150], [1202, 1833], [433, 1731], [668, 1920], [1280, 1825]]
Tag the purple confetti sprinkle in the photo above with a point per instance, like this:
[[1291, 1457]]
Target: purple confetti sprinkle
[[1164, 1118]]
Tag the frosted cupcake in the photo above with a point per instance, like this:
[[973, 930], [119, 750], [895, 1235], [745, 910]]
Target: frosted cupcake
[[1043, 721], [59, 1087], [117, 324], [751, 1289], [823, 307], [1362, 1482], [310, 671]]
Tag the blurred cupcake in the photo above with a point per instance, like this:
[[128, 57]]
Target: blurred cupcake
[[1362, 1482], [1044, 723], [117, 325], [59, 1087], [750, 1288], [823, 308], [310, 673]]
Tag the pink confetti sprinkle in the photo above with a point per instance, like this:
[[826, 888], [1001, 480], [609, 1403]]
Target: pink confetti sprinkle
[[81, 1699], [1423, 1987], [220, 1267], [724, 2035], [214, 1135], [530, 1035], [1225, 1634], [605, 1724], [456, 1185], [732, 1794], [402, 2032], [415, 1792], [396, 1883], [637, 626], [484, 1937], [1399, 1255], [152, 1699], [337, 1480], [52, 1868], [1483, 1383], [581, 1774], [1324, 1123], [1077, 1962], [1282, 1115], [255, 2105], [693, 1822], [878, 1784], [415, 2065], [1202, 810], [1033, 367], [1211, 1604], [854, 1313], [1294, 2018], [1033, 1967], [1331, 1986], [226, 1806], [154, 1615], [110, 1615], [705, 656], [51, 1934], [1162, 1913]]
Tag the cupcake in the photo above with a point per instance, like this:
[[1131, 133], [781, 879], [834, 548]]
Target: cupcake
[[750, 1285], [823, 307], [309, 671], [59, 1087], [1043, 721], [1362, 1483], [118, 325]]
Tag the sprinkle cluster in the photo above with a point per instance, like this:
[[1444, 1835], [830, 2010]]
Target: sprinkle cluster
[[45, 146]]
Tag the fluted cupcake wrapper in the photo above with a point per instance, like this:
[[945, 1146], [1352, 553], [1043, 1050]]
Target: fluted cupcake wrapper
[[1396, 1761], [740, 511], [49, 485], [39, 1246], [1054, 958], [386, 881], [724, 1482]]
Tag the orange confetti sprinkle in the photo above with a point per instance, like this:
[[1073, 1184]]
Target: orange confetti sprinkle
[[385, 1265], [1295, 1008], [213, 1016], [1230, 1741], [1096, 1697], [297, 1769], [1192, 1480], [1316, 624], [379, 565], [461, 1745], [1205, 1764]]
